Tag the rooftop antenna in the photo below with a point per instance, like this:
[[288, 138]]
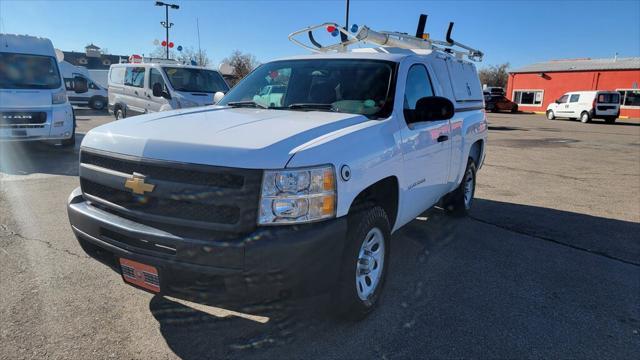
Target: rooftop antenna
[[199, 49], [343, 37]]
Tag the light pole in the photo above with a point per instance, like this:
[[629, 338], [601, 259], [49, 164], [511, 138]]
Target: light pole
[[166, 24]]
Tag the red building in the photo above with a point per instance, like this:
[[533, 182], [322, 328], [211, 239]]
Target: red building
[[534, 86]]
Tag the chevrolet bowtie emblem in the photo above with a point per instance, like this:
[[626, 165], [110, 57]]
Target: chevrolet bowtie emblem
[[137, 185]]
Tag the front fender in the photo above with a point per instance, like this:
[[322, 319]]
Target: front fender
[[370, 149]]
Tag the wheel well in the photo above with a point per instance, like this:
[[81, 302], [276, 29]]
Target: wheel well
[[383, 193], [476, 151]]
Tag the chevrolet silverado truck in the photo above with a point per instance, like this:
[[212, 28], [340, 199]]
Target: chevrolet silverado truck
[[251, 200]]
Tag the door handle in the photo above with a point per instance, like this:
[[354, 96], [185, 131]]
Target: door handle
[[443, 138], [135, 92]]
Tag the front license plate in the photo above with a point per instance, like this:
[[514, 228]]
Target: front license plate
[[142, 275]]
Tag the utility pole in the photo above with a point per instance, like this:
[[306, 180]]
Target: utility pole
[[166, 24]]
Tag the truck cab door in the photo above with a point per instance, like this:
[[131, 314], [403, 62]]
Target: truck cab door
[[426, 148], [562, 106], [574, 106]]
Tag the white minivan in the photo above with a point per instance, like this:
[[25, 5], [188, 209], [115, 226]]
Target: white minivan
[[95, 95], [586, 105], [140, 88], [33, 98]]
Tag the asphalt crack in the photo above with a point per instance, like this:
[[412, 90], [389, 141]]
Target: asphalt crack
[[544, 238], [11, 233]]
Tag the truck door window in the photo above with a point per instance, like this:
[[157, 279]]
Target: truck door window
[[134, 77], [418, 86], [156, 77], [563, 99], [574, 98]]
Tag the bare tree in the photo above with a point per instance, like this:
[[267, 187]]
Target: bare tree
[[160, 52], [185, 56], [495, 75], [241, 63]]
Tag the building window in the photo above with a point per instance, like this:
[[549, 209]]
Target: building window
[[629, 97], [528, 97]]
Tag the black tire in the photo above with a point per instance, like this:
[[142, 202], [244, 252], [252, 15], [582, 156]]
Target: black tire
[[97, 103], [455, 202], [610, 119], [347, 293], [551, 115], [119, 113], [70, 142], [514, 109], [585, 117]]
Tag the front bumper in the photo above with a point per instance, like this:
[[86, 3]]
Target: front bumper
[[265, 264]]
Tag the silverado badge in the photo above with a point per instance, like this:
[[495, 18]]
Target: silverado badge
[[137, 185]]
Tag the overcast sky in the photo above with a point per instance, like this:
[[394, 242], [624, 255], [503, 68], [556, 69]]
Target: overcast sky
[[519, 32]]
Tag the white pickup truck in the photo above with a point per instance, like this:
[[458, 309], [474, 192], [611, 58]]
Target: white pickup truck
[[247, 200]]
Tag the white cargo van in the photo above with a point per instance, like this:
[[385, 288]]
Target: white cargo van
[[33, 98], [95, 97], [140, 88], [586, 105]]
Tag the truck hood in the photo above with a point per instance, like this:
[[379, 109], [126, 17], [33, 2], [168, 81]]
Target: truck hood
[[233, 137]]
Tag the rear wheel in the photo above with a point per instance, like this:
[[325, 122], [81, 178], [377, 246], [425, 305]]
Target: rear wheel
[[585, 117], [459, 201], [514, 109], [610, 119], [364, 263]]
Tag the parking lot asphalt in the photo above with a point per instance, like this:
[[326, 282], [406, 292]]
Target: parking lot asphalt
[[546, 265]]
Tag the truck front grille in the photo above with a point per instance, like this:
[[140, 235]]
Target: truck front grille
[[189, 195], [22, 118]]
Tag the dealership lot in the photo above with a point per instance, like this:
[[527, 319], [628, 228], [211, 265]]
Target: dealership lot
[[548, 265]]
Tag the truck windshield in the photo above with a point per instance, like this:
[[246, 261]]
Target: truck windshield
[[355, 86], [24, 71], [195, 80]]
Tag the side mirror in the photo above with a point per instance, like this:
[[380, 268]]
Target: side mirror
[[430, 108], [158, 91], [217, 97], [80, 85]]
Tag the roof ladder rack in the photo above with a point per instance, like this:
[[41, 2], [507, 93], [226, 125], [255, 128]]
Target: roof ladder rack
[[385, 39]]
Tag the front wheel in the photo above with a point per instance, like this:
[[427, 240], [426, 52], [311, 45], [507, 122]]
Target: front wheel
[[364, 263], [514, 109], [459, 201], [70, 142], [118, 114], [97, 103], [585, 117], [550, 115]]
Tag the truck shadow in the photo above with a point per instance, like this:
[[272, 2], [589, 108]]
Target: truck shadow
[[25, 158], [445, 292]]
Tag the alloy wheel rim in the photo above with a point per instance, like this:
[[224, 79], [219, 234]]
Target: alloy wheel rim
[[370, 264]]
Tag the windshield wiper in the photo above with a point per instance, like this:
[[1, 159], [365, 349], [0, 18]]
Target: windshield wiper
[[312, 106], [248, 103]]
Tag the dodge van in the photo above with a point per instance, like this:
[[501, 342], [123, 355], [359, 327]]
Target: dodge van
[[33, 98]]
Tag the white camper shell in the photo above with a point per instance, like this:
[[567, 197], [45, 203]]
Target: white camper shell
[[177, 86], [33, 99]]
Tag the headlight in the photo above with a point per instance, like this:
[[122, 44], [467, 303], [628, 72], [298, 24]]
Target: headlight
[[184, 103], [298, 195], [59, 97]]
